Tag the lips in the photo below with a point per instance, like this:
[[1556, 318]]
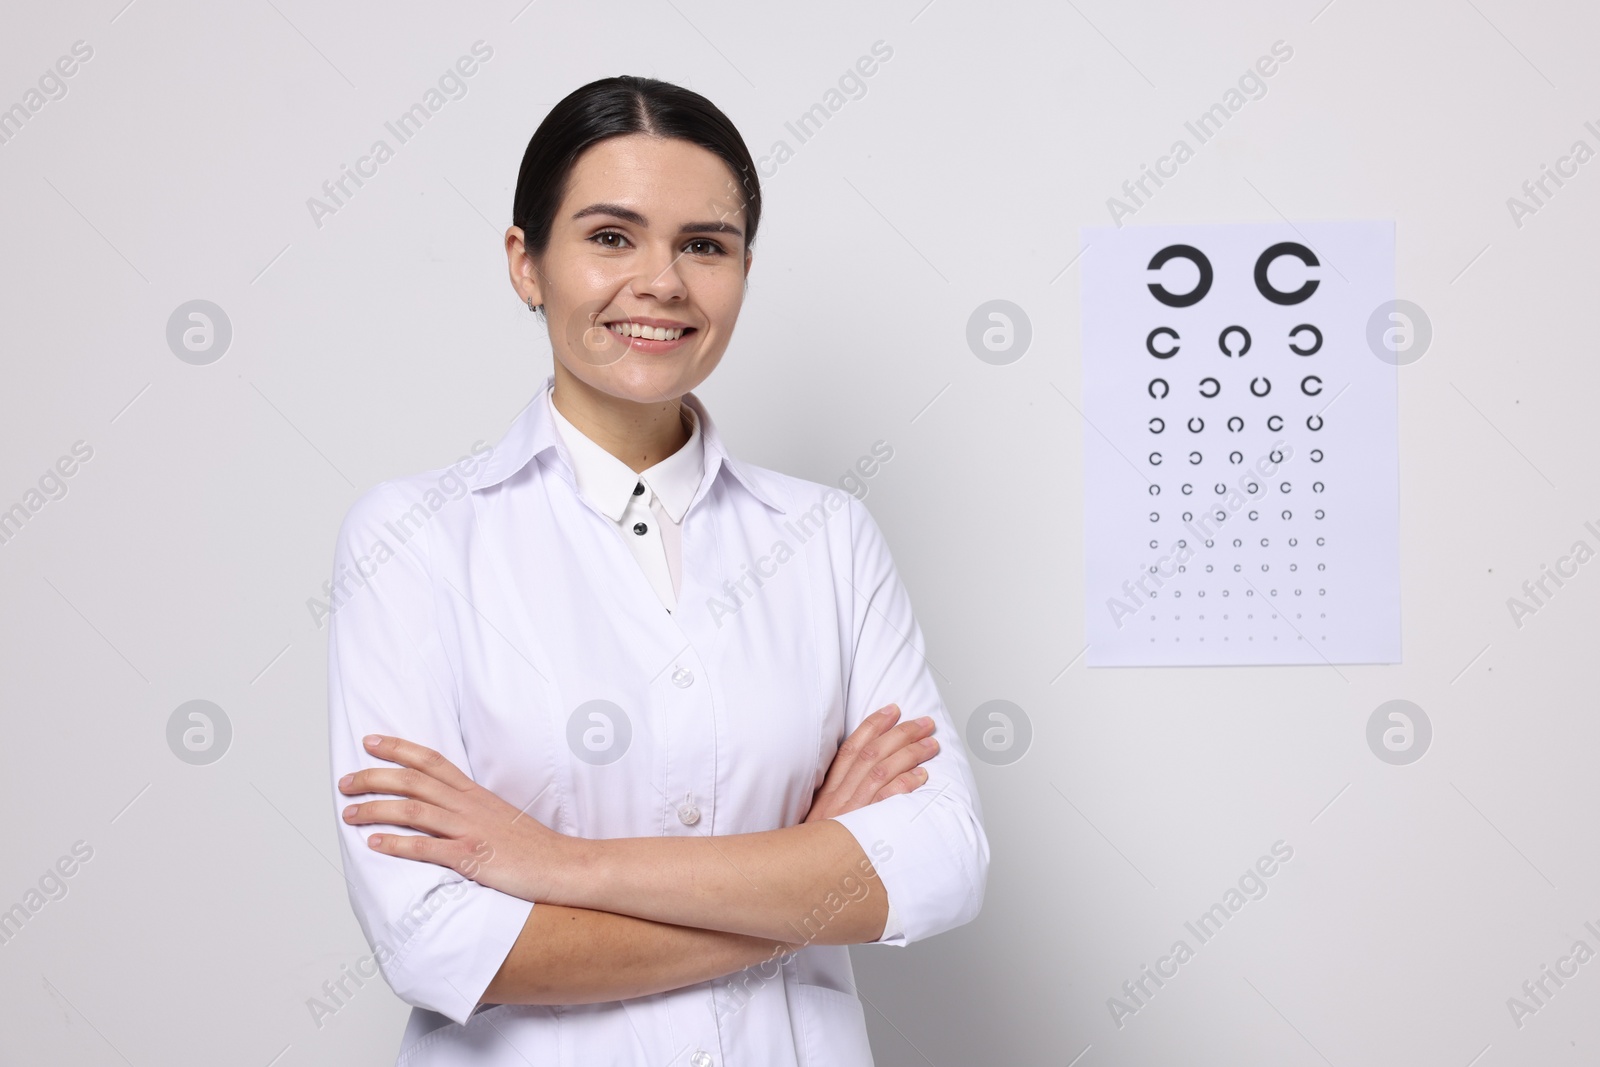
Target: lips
[[649, 329], [650, 337]]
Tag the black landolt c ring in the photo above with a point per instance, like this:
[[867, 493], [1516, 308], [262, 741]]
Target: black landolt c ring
[[1316, 344], [1286, 248], [1193, 255], [1150, 342], [1222, 340]]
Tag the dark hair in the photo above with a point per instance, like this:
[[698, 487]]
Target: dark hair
[[612, 107]]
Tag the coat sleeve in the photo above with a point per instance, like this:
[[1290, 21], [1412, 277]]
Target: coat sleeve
[[438, 937], [928, 846]]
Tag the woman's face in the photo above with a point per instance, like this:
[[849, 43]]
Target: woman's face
[[650, 233]]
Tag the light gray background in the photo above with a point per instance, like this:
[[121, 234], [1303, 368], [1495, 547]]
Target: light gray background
[[177, 567]]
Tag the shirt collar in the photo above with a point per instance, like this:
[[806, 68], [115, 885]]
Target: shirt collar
[[534, 431], [609, 482]]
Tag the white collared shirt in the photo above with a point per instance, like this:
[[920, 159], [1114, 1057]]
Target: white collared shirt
[[646, 508], [490, 613]]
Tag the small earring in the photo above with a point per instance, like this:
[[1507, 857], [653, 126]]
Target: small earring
[[530, 303]]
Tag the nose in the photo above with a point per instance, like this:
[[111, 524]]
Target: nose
[[659, 276]]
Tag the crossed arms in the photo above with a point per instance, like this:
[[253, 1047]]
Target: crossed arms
[[632, 916]]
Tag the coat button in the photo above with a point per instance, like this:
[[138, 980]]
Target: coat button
[[689, 815], [682, 678], [640, 528], [638, 490], [700, 1059]]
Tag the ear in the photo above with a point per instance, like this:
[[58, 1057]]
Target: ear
[[524, 272]]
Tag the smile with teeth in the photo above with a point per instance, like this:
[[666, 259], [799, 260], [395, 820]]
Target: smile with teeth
[[651, 333]]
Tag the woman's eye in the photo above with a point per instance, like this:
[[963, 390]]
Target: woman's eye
[[603, 234], [709, 247]]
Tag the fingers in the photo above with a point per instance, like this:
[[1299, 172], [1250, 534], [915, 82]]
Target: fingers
[[903, 783], [401, 781], [844, 759], [878, 759], [891, 768], [413, 813], [889, 745], [444, 852], [418, 757]]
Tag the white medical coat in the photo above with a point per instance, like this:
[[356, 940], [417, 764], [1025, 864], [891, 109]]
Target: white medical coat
[[487, 611]]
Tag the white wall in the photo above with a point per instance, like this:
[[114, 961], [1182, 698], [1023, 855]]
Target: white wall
[[387, 340]]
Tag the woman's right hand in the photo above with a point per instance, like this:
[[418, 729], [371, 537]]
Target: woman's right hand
[[880, 759]]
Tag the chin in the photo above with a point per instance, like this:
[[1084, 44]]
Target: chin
[[643, 380]]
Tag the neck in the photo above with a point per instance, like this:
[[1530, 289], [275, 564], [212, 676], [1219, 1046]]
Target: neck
[[640, 435]]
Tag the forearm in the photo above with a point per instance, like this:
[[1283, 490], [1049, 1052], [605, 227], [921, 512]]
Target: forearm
[[809, 883], [578, 956]]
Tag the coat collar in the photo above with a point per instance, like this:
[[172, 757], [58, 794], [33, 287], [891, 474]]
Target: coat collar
[[609, 483], [533, 432]]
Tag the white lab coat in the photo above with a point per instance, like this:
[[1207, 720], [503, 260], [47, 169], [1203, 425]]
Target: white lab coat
[[480, 610]]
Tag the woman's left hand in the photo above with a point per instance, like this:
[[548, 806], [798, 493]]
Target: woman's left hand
[[464, 826]]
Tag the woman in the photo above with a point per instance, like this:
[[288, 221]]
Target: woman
[[582, 829]]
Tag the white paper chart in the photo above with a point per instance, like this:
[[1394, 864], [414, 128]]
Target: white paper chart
[[1241, 445]]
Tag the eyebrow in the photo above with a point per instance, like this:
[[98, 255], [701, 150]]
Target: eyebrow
[[630, 215]]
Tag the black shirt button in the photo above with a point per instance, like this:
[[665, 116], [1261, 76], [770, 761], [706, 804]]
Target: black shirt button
[[638, 490], [640, 528]]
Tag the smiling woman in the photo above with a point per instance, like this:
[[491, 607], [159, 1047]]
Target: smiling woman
[[587, 808]]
